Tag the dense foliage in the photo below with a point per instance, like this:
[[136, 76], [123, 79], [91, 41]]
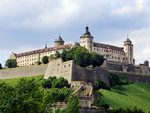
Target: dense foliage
[[11, 63], [45, 59], [25, 97], [53, 82], [121, 110], [81, 57], [29, 96], [1, 66], [72, 105], [100, 85], [116, 80]]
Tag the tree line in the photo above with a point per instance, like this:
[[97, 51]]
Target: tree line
[[81, 57], [36, 96]]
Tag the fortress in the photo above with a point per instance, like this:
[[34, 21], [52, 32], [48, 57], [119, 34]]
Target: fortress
[[111, 53], [118, 59]]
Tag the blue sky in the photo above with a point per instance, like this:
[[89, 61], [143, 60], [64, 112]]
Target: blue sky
[[28, 24]]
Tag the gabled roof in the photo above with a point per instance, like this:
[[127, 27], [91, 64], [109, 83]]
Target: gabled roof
[[106, 46], [67, 46]]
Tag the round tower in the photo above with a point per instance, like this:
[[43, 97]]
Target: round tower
[[59, 41], [128, 49], [86, 40]]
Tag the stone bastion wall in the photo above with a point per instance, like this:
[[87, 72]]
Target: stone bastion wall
[[23, 72], [133, 77], [69, 71]]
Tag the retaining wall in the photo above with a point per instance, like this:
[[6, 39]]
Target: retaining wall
[[23, 72]]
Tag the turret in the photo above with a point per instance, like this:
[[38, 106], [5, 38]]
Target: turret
[[146, 63], [59, 41], [86, 40], [128, 48]]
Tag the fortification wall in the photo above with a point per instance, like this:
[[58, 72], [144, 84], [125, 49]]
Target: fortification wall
[[59, 68], [88, 75], [71, 72], [133, 77], [23, 72], [116, 66], [112, 66]]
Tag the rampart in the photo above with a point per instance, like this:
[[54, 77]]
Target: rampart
[[23, 72], [71, 72], [127, 68], [132, 77]]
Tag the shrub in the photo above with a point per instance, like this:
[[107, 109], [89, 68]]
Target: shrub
[[99, 84], [0, 66], [39, 63], [81, 57], [45, 60], [121, 110], [53, 82], [11, 63], [116, 80]]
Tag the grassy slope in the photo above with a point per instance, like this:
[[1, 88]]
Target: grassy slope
[[14, 80], [128, 96]]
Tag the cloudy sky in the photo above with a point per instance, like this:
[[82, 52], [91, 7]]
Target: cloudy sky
[[28, 24]]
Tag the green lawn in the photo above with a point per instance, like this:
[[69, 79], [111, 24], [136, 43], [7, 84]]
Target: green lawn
[[15, 80], [128, 96]]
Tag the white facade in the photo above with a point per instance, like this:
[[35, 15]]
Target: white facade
[[111, 53], [32, 57]]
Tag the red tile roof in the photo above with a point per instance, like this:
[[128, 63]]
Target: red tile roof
[[66, 46], [108, 46]]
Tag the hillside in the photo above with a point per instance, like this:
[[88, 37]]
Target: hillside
[[128, 96], [14, 81]]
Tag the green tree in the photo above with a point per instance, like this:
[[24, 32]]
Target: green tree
[[38, 62], [48, 83], [96, 59], [1, 66], [72, 105], [7, 94], [82, 57], [11, 63], [45, 60], [99, 84], [53, 95], [60, 83], [28, 97]]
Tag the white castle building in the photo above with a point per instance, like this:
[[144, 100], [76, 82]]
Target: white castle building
[[111, 53]]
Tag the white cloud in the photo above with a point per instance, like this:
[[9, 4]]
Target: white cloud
[[111, 20], [141, 40], [134, 6]]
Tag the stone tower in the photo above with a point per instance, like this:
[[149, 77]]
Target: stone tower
[[128, 48], [59, 41], [86, 40]]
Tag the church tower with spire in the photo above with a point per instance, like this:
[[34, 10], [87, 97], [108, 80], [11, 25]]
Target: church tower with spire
[[86, 40]]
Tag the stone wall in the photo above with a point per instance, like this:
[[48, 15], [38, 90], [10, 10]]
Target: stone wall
[[71, 72], [116, 66], [59, 68], [133, 77], [23, 72], [88, 75], [112, 65]]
